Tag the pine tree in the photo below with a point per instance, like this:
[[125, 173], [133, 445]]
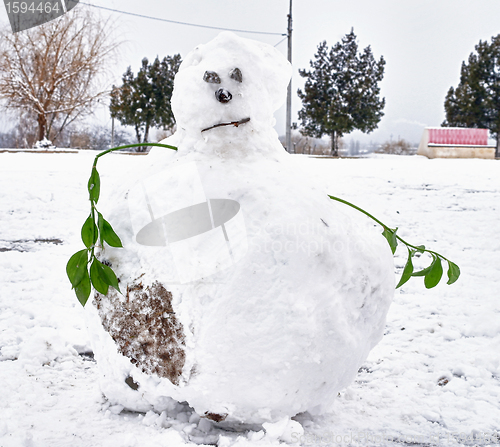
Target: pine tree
[[341, 93], [143, 101], [476, 100]]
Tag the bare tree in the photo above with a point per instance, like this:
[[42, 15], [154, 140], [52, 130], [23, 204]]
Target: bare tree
[[52, 72]]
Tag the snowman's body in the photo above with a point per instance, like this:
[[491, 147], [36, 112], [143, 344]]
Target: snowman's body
[[248, 293]]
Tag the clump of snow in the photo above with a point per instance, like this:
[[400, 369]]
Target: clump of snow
[[268, 296], [44, 144]]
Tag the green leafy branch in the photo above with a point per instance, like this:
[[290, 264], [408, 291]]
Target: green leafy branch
[[432, 274], [83, 268]]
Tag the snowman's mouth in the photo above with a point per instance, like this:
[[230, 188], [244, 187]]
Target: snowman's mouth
[[231, 123]]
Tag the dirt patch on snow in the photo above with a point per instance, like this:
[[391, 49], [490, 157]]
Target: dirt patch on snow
[[144, 326]]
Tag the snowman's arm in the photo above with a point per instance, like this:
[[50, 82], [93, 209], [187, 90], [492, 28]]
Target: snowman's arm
[[432, 274]]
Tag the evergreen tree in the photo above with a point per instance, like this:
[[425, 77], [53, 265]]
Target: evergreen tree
[[341, 93], [476, 100], [143, 101]]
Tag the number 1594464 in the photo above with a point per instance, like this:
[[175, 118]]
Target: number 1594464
[[26, 7]]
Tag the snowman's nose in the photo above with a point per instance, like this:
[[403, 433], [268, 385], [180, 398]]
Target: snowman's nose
[[223, 96]]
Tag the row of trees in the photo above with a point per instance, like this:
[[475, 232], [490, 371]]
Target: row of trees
[[50, 74], [78, 136]]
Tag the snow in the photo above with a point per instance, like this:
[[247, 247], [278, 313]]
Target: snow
[[435, 376], [44, 144]]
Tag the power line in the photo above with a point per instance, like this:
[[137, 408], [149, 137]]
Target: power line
[[282, 40], [182, 23]]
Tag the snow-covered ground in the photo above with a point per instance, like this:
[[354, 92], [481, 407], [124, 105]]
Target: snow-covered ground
[[433, 380]]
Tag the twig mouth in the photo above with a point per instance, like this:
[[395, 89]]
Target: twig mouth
[[232, 123]]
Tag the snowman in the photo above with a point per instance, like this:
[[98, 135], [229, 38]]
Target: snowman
[[246, 292]]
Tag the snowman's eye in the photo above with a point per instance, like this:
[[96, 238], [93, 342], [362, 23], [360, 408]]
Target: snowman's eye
[[235, 74], [211, 77]]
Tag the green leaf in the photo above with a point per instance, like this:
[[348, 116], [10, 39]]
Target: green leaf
[[98, 277], [83, 289], [94, 185], [408, 270], [102, 277], [424, 271], [89, 232], [111, 278], [109, 235], [77, 266], [453, 272], [100, 221], [421, 248], [434, 275], [390, 235]]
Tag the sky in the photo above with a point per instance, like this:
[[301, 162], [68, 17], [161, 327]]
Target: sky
[[423, 42]]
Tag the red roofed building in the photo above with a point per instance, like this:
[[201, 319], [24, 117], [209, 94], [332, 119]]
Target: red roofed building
[[455, 142]]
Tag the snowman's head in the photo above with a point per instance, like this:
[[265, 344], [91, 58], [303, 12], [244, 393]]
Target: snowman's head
[[230, 80]]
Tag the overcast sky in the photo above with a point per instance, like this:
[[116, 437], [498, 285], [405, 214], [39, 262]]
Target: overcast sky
[[423, 42]]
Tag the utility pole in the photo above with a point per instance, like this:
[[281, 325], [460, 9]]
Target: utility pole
[[288, 142]]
